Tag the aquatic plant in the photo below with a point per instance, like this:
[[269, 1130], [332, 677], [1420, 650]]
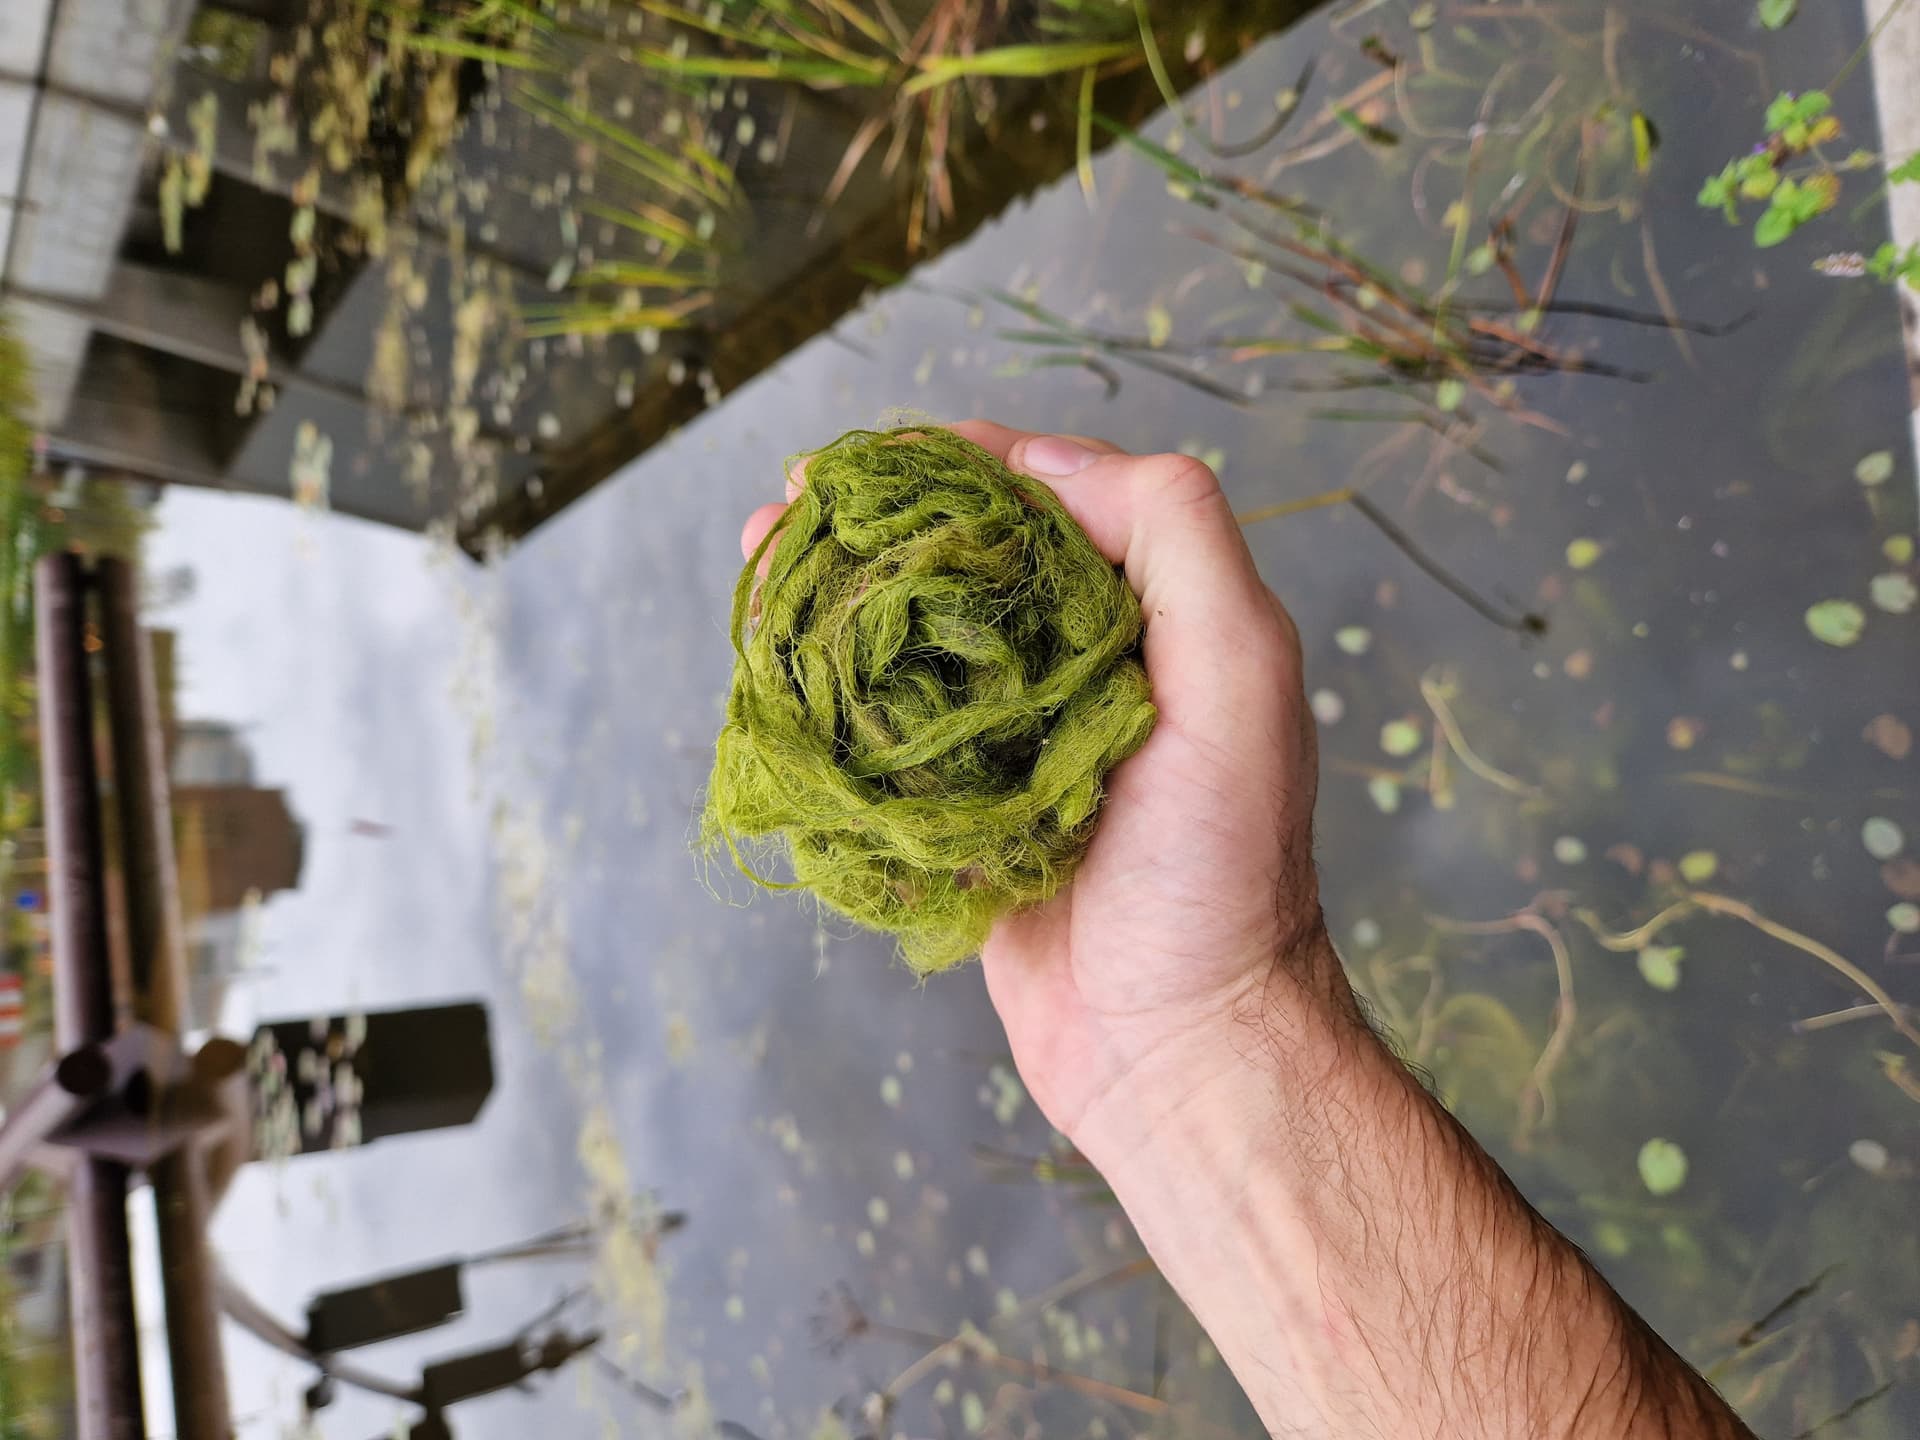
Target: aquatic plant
[[932, 681]]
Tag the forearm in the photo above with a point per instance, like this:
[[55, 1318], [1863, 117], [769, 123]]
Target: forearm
[[1358, 1260]]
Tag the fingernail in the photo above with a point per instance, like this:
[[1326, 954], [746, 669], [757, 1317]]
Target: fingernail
[[1055, 455]]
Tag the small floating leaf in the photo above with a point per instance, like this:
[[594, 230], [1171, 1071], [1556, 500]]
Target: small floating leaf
[[1875, 468], [1904, 917], [1399, 737], [1570, 850], [1663, 1166], [1699, 866], [1897, 548], [1883, 838], [1893, 592], [1774, 14], [1890, 735], [1582, 553], [1836, 622], [1384, 791], [1869, 1155], [1353, 639], [1660, 965], [1448, 394]]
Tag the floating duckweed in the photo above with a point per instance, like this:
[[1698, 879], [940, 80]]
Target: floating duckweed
[[1353, 639], [1836, 622], [1399, 737], [1904, 917], [1582, 553], [1570, 850], [1875, 468], [1660, 966], [1328, 707], [1663, 1167], [1384, 791], [1893, 592], [1883, 838], [1869, 1155], [1699, 866], [933, 680]]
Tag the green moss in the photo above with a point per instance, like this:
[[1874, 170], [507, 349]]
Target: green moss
[[932, 681]]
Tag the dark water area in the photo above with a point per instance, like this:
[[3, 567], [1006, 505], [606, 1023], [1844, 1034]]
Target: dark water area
[[1672, 530], [1613, 873]]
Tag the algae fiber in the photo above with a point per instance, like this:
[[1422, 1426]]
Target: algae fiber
[[931, 684]]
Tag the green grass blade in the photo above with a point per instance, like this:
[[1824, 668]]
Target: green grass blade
[[1030, 62], [1160, 156], [1158, 66], [1083, 137], [471, 50]]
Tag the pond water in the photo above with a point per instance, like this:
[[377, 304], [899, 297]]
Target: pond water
[[1687, 680]]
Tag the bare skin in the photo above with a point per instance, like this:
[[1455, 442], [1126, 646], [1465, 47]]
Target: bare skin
[[1179, 1013]]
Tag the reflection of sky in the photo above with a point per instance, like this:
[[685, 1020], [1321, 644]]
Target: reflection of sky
[[777, 1100], [330, 643]]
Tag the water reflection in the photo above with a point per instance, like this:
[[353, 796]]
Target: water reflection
[[812, 1197]]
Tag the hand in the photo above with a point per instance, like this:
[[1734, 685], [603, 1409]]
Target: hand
[[1178, 1012], [1200, 873]]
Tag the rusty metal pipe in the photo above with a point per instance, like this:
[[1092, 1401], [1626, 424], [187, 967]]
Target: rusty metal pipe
[[106, 1362]]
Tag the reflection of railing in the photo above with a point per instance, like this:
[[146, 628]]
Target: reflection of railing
[[116, 1102], [122, 1097]]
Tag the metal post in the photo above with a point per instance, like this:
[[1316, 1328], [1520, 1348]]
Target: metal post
[[145, 803], [154, 933], [105, 1342]]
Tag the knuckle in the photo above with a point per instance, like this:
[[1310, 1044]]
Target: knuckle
[[1179, 479]]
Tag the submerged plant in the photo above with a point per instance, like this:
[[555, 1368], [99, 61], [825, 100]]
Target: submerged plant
[[1795, 181]]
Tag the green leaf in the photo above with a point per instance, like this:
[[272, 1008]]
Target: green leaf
[[1760, 185], [1448, 394], [1645, 140], [1836, 622], [1781, 112], [1775, 224], [1663, 1167], [1715, 191], [1813, 104], [1907, 172], [1399, 738], [1022, 61], [1774, 14], [1893, 592], [1582, 553], [1883, 838], [1875, 468], [1699, 866], [1660, 966]]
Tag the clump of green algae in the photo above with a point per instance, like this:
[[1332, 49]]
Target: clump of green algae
[[931, 683]]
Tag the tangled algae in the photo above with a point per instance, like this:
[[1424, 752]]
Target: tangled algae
[[930, 685]]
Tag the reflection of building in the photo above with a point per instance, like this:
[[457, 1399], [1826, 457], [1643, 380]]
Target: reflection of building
[[236, 843]]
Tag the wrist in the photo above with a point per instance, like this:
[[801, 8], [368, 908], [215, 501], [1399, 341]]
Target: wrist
[[1211, 1080], [1358, 1260]]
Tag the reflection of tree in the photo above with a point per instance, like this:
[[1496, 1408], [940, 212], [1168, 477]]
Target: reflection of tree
[[35, 1384]]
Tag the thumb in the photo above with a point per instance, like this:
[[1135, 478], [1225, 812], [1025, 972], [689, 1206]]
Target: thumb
[[1217, 645]]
